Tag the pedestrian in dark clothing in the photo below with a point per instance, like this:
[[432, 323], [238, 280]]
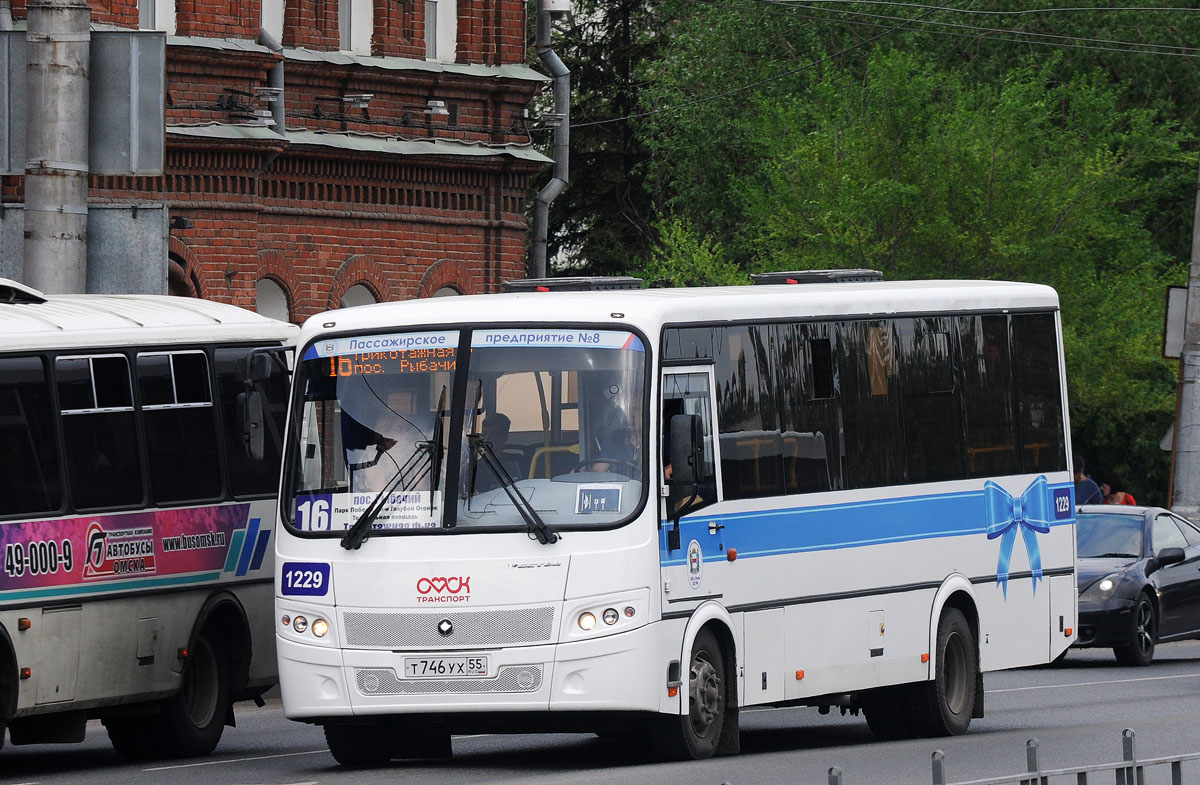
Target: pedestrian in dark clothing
[[1086, 489]]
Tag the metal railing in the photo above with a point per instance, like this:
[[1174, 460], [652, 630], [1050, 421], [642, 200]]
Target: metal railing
[[1130, 770]]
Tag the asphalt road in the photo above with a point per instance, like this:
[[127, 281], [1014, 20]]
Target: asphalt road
[[1076, 710]]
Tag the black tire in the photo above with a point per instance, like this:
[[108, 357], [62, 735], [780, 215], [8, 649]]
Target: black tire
[[1143, 635], [943, 706], [888, 713], [360, 746], [191, 722], [132, 737], [695, 735]]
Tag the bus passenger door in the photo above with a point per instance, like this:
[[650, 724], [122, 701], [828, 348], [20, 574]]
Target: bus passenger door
[[693, 558]]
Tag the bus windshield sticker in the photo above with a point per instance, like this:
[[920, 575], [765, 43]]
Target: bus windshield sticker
[[598, 497], [337, 512], [390, 345], [557, 338]]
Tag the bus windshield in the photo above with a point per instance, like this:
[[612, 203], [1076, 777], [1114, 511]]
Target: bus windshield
[[501, 428]]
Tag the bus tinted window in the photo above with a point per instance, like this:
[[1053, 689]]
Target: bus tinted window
[[1040, 397], [30, 482], [181, 436], [249, 477], [751, 447], [99, 431], [932, 414], [989, 408], [870, 395], [808, 418]]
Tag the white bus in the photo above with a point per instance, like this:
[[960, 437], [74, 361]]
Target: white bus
[[847, 495], [140, 440]]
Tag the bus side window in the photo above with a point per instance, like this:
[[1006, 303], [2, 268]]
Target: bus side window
[[102, 457], [181, 436], [248, 477], [30, 482]]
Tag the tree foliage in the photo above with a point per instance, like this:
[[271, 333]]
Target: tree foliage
[[1045, 147]]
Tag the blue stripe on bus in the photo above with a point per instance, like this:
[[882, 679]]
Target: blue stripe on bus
[[235, 550], [248, 546], [831, 527], [110, 586], [260, 549]]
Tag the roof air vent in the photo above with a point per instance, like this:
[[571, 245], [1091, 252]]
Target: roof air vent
[[816, 276], [13, 292], [577, 284]]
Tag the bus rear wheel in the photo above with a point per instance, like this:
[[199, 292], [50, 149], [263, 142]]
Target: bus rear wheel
[[943, 706], [188, 724], [192, 721], [695, 735]]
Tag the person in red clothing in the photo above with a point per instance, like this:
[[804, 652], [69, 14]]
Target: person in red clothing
[[1113, 493]]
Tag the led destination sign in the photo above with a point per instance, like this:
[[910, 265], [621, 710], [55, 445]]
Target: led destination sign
[[395, 362]]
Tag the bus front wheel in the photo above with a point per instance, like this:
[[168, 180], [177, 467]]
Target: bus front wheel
[[360, 746], [695, 735]]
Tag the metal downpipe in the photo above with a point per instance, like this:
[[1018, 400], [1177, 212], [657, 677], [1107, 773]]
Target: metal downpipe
[[275, 79], [562, 139], [56, 134]]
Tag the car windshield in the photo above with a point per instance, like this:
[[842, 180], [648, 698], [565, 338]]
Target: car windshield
[[1108, 535], [541, 429]]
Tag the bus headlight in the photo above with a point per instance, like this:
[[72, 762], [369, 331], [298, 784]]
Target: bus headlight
[[587, 621], [299, 624], [610, 616], [320, 628]]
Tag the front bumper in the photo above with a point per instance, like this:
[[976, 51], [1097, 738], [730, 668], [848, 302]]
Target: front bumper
[[1104, 624], [610, 673]]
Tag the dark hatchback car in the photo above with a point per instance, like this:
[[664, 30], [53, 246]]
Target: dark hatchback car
[[1139, 579]]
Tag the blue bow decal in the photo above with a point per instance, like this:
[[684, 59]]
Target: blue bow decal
[[1029, 513]]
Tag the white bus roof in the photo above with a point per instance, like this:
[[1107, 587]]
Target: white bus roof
[[32, 320], [650, 308]]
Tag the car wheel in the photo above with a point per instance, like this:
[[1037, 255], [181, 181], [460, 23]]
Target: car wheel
[[1142, 637]]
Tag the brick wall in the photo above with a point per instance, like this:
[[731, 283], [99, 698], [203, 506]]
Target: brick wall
[[319, 220]]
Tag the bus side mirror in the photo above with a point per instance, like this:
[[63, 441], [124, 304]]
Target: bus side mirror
[[252, 420], [687, 441], [258, 367]]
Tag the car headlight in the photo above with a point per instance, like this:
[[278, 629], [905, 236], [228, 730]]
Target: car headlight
[[1103, 588]]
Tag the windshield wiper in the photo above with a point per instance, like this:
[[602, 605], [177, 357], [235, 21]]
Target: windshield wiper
[[1112, 556], [426, 456], [435, 457], [478, 447]]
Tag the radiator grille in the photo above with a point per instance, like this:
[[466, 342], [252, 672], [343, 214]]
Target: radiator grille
[[510, 678], [506, 627]]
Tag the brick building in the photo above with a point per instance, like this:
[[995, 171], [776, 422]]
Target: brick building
[[402, 170]]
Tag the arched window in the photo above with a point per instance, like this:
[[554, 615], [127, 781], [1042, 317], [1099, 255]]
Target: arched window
[[358, 294], [446, 291], [271, 300]]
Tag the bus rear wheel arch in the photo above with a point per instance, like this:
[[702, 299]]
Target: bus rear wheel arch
[[190, 723], [8, 682]]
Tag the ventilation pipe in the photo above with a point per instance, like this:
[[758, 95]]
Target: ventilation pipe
[[546, 11], [5, 15], [274, 80], [56, 144]]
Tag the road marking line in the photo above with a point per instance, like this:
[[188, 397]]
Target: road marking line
[[1095, 683], [235, 760]]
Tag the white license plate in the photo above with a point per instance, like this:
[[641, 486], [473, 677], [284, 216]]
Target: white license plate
[[445, 667]]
